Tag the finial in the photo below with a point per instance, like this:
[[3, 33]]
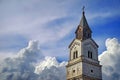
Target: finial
[[83, 9]]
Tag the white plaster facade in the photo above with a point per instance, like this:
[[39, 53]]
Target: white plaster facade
[[83, 65], [74, 70], [96, 70], [90, 45], [75, 46]]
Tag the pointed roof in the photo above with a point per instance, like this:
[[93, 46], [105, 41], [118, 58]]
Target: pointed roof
[[83, 21]]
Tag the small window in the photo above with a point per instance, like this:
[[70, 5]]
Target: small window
[[89, 54], [92, 71], [88, 35], [74, 78], [73, 71], [76, 54]]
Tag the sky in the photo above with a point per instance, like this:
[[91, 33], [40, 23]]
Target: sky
[[35, 35], [53, 24]]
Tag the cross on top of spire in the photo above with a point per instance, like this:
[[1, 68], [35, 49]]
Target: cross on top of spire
[[83, 21], [83, 9]]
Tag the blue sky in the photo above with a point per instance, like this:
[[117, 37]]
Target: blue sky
[[53, 24]]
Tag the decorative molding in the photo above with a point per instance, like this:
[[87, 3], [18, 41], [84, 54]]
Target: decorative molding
[[82, 59], [84, 77]]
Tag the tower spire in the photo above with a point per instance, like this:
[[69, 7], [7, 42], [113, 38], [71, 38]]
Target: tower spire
[[83, 31]]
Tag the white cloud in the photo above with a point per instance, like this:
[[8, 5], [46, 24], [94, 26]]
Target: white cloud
[[3, 56], [51, 69], [47, 64], [23, 66], [110, 60]]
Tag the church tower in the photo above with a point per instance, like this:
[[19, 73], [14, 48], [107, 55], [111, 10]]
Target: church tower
[[83, 61]]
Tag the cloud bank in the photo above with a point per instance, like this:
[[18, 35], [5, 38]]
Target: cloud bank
[[110, 60], [23, 66], [50, 69]]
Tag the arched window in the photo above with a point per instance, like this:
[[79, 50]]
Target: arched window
[[76, 54], [89, 54]]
